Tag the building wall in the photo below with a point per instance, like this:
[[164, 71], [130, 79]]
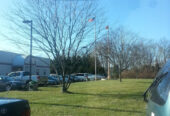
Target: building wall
[[42, 71], [40, 66], [6, 59], [12, 62], [43, 66], [5, 69], [27, 69]]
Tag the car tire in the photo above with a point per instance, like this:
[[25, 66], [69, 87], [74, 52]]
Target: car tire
[[28, 87], [8, 88]]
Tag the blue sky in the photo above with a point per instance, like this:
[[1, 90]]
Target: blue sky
[[148, 18]]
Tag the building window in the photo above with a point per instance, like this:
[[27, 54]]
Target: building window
[[44, 72]]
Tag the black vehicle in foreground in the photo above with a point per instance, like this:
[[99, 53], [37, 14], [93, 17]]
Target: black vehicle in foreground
[[14, 107]]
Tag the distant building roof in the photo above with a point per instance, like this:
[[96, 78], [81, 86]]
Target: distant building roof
[[7, 57], [18, 60]]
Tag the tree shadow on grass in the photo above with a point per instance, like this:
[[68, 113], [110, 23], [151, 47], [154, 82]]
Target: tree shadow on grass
[[87, 107], [144, 82], [137, 95]]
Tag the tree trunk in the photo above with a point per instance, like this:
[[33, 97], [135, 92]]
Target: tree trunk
[[64, 89], [120, 77]]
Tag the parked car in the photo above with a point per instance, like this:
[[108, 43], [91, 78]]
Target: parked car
[[5, 84], [158, 94], [81, 76], [52, 80], [74, 78], [91, 77], [98, 77], [9, 83], [15, 84], [24, 76], [14, 107], [66, 78], [57, 78]]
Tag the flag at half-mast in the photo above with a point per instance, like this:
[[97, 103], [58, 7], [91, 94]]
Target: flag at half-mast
[[92, 19], [107, 27]]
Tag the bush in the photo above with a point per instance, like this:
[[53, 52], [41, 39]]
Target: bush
[[134, 74]]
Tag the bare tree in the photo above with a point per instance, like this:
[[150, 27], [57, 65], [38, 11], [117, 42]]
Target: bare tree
[[133, 53], [163, 50], [61, 29], [121, 46]]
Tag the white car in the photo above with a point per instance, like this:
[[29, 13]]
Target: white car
[[91, 77], [82, 76], [25, 77]]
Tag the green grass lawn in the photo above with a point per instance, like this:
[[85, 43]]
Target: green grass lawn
[[101, 98]]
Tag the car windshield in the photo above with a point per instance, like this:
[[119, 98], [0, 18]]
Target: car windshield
[[26, 73], [50, 77], [12, 74], [80, 75]]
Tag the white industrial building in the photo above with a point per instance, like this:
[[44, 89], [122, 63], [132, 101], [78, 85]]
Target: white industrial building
[[17, 62]]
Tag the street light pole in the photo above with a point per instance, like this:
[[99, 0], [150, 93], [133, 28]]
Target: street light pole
[[31, 23], [31, 53]]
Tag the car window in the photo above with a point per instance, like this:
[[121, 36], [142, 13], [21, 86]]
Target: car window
[[164, 87], [80, 75], [49, 77], [160, 92], [17, 74], [26, 73], [12, 74], [9, 78]]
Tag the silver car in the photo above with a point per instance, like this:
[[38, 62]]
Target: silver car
[[158, 94]]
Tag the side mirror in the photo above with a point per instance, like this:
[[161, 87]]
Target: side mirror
[[145, 97]]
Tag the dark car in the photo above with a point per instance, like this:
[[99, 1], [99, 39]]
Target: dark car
[[52, 80], [14, 107], [158, 94], [8, 83], [5, 84]]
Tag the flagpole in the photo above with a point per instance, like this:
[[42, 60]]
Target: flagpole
[[108, 55], [95, 69], [95, 48]]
